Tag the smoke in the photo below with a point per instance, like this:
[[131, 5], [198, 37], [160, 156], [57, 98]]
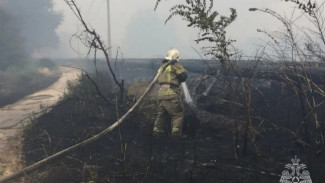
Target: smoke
[[11, 50], [148, 35], [37, 21]]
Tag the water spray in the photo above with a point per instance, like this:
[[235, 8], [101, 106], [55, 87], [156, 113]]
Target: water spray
[[188, 98]]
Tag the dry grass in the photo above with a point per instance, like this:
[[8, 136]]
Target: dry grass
[[136, 89]]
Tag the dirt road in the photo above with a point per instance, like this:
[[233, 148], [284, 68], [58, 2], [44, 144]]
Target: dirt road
[[15, 116]]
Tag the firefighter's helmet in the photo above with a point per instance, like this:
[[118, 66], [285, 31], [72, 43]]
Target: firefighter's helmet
[[172, 54]]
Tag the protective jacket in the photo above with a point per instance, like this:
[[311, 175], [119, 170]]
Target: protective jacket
[[169, 103], [170, 79]]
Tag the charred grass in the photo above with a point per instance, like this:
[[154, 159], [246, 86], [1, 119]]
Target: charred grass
[[211, 153], [16, 82]]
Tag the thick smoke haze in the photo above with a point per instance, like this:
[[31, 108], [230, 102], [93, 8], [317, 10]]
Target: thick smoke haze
[[136, 28], [37, 22], [11, 49]]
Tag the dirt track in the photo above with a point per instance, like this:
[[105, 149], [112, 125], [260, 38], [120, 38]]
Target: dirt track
[[15, 116]]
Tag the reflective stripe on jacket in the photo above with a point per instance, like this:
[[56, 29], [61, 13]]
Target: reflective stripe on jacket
[[169, 76]]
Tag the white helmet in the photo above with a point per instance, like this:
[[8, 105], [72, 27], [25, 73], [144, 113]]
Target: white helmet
[[172, 54]]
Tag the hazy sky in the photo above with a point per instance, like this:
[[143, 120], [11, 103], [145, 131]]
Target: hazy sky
[[141, 32]]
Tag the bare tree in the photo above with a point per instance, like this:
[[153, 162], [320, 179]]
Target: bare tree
[[92, 40]]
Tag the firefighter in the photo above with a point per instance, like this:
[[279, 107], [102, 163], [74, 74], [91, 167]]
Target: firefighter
[[169, 101]]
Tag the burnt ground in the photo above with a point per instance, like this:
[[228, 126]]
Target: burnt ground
[[11, 91], [213, 151]]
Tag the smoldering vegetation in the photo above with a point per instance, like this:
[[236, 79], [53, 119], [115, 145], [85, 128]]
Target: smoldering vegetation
[[18, 82], [24, 27], [238, 131], [249, 119]]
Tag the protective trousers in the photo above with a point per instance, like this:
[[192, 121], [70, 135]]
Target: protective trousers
[[173, 108]]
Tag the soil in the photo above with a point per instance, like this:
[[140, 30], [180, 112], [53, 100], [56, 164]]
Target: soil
[[12, 91], [15, 117], [217, 147], [210, 153]]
